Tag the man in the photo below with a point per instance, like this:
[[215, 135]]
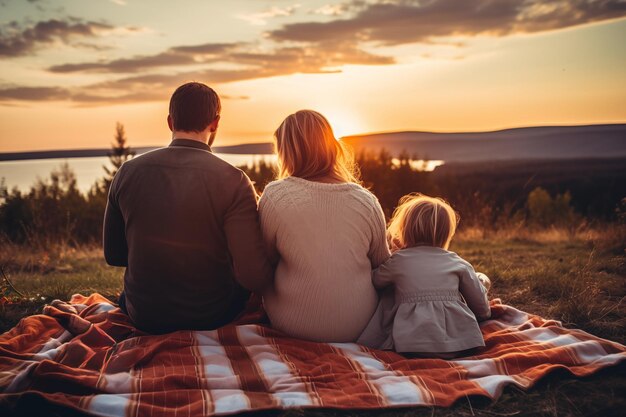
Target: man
[[184, 223]]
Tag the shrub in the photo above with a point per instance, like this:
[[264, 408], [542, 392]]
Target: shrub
[[544, 211]]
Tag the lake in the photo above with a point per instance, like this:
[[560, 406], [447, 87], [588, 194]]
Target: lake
[[23, 174]]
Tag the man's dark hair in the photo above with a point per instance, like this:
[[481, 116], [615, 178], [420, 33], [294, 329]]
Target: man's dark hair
[[193, 107]]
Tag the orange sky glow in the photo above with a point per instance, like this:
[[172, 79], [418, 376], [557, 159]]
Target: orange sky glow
[[69, 70]]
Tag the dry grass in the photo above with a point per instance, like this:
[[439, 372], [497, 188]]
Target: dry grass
[[577, 277], [54, 273], [608, 234]]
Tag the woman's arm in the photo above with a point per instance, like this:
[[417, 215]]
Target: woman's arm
[[474, 292], [379, 250]]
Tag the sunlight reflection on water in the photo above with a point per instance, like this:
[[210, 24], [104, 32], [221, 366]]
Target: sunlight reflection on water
[[420, 164]]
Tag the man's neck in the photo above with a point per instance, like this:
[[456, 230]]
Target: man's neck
[[197, 136]]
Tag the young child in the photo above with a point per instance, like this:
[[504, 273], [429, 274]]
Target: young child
[[435, 296]]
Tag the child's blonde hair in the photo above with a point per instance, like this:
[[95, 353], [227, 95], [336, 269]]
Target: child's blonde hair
[[420, 220], [307, 148]]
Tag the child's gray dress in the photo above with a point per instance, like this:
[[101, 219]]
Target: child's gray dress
[[432, 305]]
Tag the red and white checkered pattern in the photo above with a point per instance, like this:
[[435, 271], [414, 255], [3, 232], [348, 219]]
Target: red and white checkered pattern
[[85, 356]]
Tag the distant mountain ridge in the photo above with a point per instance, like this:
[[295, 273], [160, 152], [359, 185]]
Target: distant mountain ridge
[[541, 142], [524, 143]]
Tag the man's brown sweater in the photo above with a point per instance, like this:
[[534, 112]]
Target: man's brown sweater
[[184, 223]]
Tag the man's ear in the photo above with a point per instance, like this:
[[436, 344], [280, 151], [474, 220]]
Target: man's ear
[[170, 123], [214, 124]]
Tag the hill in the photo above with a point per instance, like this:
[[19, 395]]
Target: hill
[[545, 142], [524, 143]]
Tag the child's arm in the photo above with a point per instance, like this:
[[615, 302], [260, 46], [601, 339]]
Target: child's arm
[[382, 276], [484, 279], [474, 292]]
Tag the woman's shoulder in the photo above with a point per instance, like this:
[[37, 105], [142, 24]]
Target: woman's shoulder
[[289, 184], [364, 196], [275, 189], [288, 188], [364, 192], [273, 186], [283, 192]]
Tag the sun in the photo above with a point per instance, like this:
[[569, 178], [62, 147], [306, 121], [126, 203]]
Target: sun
[[345, 123]]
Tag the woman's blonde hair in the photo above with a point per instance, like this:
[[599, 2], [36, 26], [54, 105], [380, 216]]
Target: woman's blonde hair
[[420, 220], [307, 148]]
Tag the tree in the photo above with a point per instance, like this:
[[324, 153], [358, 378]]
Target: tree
[[545, 211], [120, 153], [540, 209], [4, 191]]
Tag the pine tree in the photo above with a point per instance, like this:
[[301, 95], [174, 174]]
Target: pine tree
[[4, 190], [120, 153]]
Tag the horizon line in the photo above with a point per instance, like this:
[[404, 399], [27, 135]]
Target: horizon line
[[382, 132]]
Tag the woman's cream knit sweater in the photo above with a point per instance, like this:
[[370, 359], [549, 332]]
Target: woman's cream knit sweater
[[326, 238]]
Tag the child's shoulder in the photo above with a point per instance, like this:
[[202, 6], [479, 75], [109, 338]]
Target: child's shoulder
[[431, 253], [399, 258], [457, 258], [427, 251], [417, 253]]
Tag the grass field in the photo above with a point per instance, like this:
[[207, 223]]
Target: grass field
[[579, 280]]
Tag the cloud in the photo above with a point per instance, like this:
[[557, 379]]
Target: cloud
[[95, 95], [238, 61], [308, 47], [177, 56], [16, 40], [261, 18], [389, 22], [330, 10], [275, 61], [33, 93], [339, 9], [126, 65]]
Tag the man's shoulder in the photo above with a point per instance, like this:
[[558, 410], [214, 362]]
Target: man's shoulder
[[144, 158], [195, 159]]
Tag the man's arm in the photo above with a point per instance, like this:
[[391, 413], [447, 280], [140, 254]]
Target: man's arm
[[243, 235], [269, 227], [114, 231]]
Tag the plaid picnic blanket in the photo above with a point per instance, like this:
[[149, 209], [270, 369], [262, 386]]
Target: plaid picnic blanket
[[84, 357]]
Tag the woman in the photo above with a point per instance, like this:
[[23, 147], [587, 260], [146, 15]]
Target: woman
[[324, 231]]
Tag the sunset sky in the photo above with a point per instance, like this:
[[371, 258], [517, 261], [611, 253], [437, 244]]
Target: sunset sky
[[69, 70]]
